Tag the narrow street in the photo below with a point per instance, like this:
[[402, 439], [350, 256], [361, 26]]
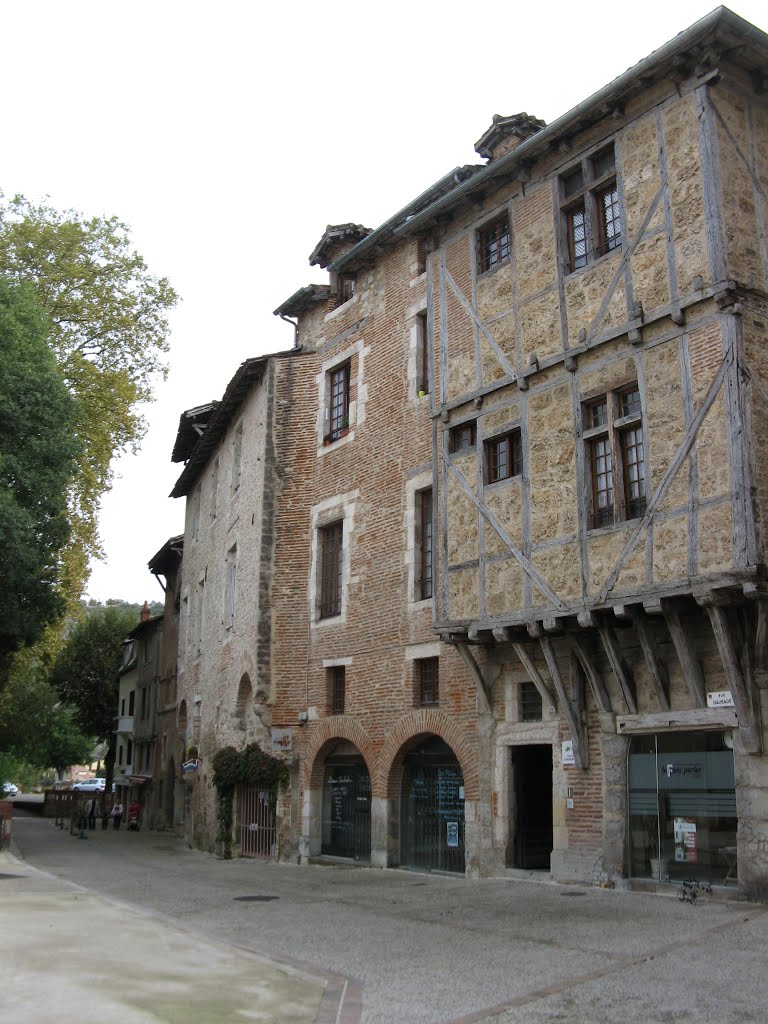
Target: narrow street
[[394, 947]]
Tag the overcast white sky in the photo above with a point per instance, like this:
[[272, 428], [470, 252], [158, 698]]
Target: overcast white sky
[[227, 135]]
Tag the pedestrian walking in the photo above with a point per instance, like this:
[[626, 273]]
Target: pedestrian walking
[[117, 814], [92, 807]]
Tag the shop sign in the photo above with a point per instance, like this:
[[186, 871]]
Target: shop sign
[[282, 739], [568, 757], [452, 831], [720, 699]]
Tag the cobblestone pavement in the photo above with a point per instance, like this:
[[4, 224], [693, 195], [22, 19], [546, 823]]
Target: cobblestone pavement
[[395, 947]]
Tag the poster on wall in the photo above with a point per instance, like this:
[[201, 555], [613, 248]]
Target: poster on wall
[[568, 757], [452, 831]]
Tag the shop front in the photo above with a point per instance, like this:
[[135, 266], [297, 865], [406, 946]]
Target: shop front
[[346, 808], [682, 807], [432, 809]]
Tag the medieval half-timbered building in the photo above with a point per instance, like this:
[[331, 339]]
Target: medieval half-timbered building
[[489, 567]]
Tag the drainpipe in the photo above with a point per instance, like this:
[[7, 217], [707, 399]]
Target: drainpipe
[[295, 325]]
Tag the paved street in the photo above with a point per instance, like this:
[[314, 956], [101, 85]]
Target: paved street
[[397, 947]]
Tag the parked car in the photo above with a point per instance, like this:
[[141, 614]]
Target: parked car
[[10, 789], [90, 786]]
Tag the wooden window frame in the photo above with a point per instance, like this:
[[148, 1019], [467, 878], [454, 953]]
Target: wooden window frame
[[422, 353], [615, 456], [424, 545], [504, 456], [590, 206], [331, 555], [337, 689], [494, 244], [237, 458], [462, 437], [530, 704], [427, 681], [230, 588], [346, 285], [339, 382]]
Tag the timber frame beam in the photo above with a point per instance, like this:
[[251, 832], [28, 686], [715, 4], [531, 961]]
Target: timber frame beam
[[575, 717], [694, 677], [483, 690], [620, 670], [656, 668], [739, 682]]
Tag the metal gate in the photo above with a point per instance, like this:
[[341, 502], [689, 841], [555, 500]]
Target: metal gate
[[433, 816], [347, 810], [432, 810], [256, 822]]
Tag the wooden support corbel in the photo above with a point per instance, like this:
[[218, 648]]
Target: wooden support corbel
[[694, 677], [575, 724], [623, 677], [597, 686], [483, 690], [534, 675], [741, 690], [758, 594], [656, 668]]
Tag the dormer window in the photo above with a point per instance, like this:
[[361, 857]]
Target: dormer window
[[345, 288]]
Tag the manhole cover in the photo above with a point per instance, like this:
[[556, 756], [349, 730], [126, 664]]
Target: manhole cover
[[573, 892], [255, 899]]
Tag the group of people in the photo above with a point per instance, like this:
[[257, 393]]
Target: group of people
[[95, 808]]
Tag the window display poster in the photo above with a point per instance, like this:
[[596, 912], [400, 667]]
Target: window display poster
[[685, 840]]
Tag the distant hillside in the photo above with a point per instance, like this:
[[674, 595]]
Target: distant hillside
[[92, 605]]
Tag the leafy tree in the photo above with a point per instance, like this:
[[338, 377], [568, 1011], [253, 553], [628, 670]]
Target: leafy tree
[[85, 672], [39, 447], [108, 330], [36, 728]]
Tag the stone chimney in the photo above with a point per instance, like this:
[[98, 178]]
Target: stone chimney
[[506, 134], [145, 612]]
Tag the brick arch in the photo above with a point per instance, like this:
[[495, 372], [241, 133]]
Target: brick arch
[[244, 694], [331, 730], [181, 720], [410, 728]]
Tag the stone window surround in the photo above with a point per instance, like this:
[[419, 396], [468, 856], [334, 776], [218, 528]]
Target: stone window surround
[[183, 626], [358, 392], [417, 339], [415, 653], [229, 610], [421, 482], [237, 458], [331, 510]]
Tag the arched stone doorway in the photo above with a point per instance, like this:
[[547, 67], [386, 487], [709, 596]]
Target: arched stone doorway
[[345, 825], [431, 807], [337, 812]]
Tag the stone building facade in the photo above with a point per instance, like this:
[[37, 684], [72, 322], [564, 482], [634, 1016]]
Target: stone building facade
[[499, 545], [168, 793]]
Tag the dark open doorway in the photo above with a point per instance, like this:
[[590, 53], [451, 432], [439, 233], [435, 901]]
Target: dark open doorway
[[532, 806]]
